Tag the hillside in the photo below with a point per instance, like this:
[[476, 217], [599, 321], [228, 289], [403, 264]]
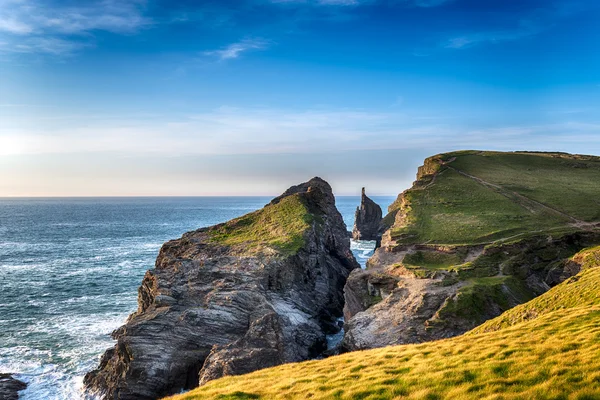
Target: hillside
[[475, 197], [548, 348], [477, 234]]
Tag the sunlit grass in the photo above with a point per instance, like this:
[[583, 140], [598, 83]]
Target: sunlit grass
[[279, 226], [527, 194]]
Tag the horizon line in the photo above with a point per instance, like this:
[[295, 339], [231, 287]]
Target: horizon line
[[170, 196]]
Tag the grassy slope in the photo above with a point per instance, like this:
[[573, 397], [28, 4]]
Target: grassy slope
[[551, 354], [279, 226], [527, 193], [578, 291]]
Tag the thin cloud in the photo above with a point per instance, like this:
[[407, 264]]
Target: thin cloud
[[462, 42], [528, 25], [346, 3], [32, 26], [269, 131], [41, 45], [235, 50]]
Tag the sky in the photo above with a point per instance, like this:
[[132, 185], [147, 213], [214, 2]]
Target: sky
[[247, 97]]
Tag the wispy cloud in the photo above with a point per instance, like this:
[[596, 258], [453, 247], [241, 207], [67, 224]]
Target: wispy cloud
[[274, 131], [462, 42], [235, 50], [530, 24], [40, 45], [33, 26], [417, 3]]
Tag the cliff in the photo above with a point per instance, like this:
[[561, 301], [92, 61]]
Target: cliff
[[477, 234], [367, 220], [258, 291]]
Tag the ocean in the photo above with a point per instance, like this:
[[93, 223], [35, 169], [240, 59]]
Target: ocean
[[70, 269]]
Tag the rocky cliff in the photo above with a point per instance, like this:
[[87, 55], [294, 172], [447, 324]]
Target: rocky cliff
[[367, 220], [477, 234], [257, 291], [10, 387]]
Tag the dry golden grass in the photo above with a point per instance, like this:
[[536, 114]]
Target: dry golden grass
[[553, 357]]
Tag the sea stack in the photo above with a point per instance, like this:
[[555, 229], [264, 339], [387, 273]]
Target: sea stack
[[258, 291], [367, 221]]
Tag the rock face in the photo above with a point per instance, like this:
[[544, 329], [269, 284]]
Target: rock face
[[258, 291], [10, 387], [367, 220]]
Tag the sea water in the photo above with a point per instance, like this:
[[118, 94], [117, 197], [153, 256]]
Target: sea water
[[70, 269]]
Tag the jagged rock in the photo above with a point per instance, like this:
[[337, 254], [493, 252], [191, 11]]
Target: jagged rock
[[10, 387], [258, 291], [367, 220]]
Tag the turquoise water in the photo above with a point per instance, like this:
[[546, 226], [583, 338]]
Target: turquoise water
[[70, 269]]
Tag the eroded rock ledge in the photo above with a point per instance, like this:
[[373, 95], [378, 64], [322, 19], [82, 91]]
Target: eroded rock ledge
[[255, 292]]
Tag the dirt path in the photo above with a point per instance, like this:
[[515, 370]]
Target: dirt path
[[524, 201]]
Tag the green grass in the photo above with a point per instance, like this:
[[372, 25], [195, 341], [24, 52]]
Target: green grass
[[580, 290], [280, 226], [567, 183], [433, 259], [528, 193], [474, 301], [553, 353]]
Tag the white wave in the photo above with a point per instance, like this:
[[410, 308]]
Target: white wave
[[368, 245]]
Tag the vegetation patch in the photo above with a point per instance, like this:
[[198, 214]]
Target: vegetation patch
[[280, 226], [475, 301], [433, 259], [580, 290]]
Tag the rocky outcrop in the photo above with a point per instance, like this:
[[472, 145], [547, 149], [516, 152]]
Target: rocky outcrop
[[10, 387], [258, 291], [367, 220], [395, 302]]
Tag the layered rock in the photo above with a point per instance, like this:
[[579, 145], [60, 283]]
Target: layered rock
[[10, 387], [367, 220], [443, 269], [257, 291]]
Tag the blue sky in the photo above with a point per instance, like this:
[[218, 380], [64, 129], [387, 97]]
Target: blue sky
[[156, 97]]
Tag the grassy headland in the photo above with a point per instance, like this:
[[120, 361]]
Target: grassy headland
[[472, 197]]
